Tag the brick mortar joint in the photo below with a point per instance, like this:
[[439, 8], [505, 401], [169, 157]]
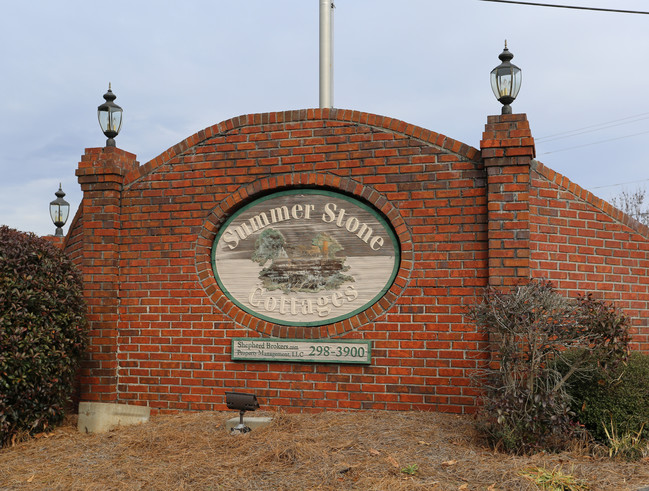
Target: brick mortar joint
[[101, 171], [517, 161]]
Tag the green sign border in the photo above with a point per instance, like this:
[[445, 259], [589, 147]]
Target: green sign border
[[366, 361], [374, 212]]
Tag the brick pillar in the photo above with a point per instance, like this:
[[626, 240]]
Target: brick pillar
[[101, 176], [507, 150], [55, 241]]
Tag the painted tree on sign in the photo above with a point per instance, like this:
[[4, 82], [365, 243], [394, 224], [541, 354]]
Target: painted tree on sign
[[269, 246], [328, 245]]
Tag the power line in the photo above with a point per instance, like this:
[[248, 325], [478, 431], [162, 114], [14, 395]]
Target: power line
[[537, 4], [593, 127], [573, 133], [594, 143], [619, 184]]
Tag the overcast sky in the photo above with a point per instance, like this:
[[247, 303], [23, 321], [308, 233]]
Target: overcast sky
[[177, 67]]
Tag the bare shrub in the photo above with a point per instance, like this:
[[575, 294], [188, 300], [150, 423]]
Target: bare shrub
[[526, 404], [633, 203]]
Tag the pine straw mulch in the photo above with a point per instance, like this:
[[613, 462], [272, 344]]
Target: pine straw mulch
[[334, 450]]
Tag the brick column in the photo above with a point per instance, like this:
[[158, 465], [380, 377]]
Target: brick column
[[101, 176], [55, 241], [507, 150]]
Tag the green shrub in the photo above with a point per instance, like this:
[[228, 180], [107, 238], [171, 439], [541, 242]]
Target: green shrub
[[616, 399], [525, 400], [42, 333]]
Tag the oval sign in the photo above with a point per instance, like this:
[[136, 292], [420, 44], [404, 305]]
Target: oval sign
[[305, 257]]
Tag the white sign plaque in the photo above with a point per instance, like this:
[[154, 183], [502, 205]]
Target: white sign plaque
[[314, 351]]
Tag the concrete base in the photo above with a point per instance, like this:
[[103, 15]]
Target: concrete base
[[251, 422], [99, 417]]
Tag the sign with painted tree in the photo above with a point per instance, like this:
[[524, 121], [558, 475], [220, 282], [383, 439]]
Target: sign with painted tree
[[305, 257]]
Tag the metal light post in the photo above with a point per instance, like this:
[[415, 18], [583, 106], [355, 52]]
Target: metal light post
[[506, 80], [110, 117], [326, 54], [59, 211]]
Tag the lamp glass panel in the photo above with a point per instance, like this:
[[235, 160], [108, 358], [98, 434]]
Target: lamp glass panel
[[103, 119], [64, 212], [115, 120], [504, 84], [495, 84], [501, 82], [517, 77], [55, 213]]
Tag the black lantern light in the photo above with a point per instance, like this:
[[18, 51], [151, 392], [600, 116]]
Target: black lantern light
[[110, 117], [506, 80], [59, 211]]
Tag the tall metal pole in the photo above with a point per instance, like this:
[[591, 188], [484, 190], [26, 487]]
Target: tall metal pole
[[326, 54]]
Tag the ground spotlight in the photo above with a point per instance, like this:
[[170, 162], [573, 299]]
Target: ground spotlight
[[241, 402]]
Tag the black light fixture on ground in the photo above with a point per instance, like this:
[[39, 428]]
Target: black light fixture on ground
[[506, 80], [59, 211], [242, 402], [110, 117]]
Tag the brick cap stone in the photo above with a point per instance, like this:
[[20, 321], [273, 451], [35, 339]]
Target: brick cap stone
[[507, 140]]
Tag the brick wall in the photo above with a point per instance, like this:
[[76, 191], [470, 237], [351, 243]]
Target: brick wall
[[583, 244], [464, 219]]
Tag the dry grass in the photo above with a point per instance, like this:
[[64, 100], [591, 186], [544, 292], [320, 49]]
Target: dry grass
[[358, 450]]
